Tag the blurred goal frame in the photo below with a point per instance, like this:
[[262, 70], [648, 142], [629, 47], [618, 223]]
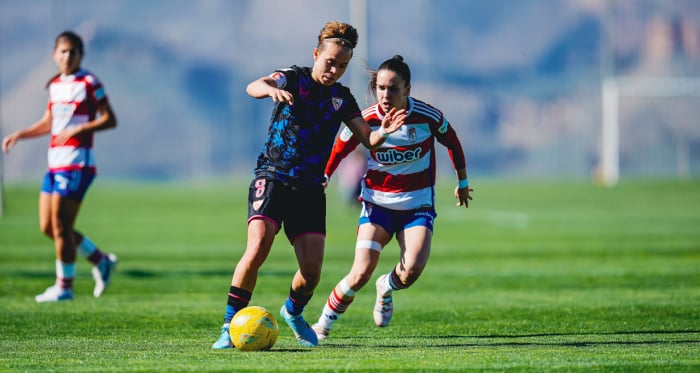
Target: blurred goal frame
[[615, 88]]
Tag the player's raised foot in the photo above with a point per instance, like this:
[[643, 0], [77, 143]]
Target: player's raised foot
[[302, 331], [384, 305], [54, 293], [224, 340], [102, 273], [321, 332]]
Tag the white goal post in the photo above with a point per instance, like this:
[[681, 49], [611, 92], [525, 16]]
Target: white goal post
[[613, 89]]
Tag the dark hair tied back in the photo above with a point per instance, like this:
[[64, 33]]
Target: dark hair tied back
[[394, 64], [397, 65]]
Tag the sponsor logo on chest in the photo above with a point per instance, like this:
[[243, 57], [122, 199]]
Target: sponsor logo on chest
[[392, 156]]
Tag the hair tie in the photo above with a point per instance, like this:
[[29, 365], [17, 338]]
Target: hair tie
[[343, 40]]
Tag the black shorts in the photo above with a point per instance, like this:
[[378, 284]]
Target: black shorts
[[300, 211]]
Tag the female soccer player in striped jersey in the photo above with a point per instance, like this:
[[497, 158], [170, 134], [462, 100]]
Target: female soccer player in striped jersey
[[77, 108], [398, 194]]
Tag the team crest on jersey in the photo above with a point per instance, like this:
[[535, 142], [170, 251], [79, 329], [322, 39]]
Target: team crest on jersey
[[337, 103], [412, 134]]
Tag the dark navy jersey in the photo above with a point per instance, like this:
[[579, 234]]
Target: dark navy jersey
[[301, 136]]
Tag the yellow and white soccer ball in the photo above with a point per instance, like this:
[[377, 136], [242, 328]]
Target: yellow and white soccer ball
[[253, 329]]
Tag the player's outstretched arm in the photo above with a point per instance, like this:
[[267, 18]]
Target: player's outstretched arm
[[40, 128], [267, 87], [392, 121]]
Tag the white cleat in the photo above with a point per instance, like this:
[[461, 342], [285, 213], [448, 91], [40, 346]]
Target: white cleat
[[54, 293], [321, 332], [384, 305], [102, 273]]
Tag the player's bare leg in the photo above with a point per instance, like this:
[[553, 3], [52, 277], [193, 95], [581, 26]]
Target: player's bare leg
[[261, 235], [371, 239], [309, 251], [59, 214], [415, 251]]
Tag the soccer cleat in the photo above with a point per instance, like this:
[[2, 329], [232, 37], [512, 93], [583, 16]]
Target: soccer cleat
[[384, 306], [224, 340], [321, 332], [54, 293], [304, 334], [102, 273]]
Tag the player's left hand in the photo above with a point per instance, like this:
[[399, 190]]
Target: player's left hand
[[463, 196], [67, 133]]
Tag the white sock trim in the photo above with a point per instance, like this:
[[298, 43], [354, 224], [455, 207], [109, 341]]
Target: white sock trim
[[65, 270], [345, 288]]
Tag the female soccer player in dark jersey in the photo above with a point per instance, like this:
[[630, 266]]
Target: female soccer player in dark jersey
[[288, 188], [77, 108], [398, 193]]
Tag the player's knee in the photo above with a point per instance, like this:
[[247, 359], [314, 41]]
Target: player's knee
[[250, 263], [311, 274], [57, 232], [410, 275], [47, 230], [359, 279]]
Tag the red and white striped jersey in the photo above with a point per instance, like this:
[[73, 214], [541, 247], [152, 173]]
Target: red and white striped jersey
[[73, 100], [401, 173]]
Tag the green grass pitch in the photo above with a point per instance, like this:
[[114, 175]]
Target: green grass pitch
[[559, 276]]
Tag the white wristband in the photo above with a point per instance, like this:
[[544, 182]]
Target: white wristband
[[383, 132]]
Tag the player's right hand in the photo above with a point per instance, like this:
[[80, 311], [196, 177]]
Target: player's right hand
[[280, 95], [8, 142]]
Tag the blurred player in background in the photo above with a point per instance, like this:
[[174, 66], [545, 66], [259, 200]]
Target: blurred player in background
[[398, 193], [288, 188], [77, 108]]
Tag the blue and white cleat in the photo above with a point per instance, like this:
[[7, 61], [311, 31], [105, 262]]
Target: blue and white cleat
[[302, 331], [54, 293], [224, 340], [102, 273]]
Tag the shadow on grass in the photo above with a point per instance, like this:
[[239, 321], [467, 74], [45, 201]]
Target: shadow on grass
[[466, 341], [143, 273], [271, 351]]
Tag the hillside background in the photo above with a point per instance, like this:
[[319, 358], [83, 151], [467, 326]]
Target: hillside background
[[520, 80]]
